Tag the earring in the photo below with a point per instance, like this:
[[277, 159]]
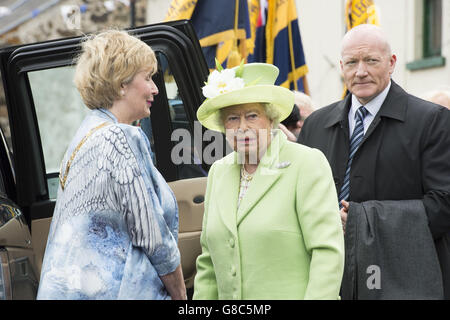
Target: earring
[[122, 93]]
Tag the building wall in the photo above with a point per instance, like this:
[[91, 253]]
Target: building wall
[[322, 26], [417, 82], [50, 24], [156, 10]]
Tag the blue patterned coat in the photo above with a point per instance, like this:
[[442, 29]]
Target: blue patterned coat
[[115, 226]]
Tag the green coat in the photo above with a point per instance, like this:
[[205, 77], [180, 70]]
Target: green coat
[[286, 239]]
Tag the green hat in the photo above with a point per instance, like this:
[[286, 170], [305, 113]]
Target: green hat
[[247, 83]]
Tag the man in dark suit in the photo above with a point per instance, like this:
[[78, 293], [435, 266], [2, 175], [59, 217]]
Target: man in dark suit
[[390, 156]]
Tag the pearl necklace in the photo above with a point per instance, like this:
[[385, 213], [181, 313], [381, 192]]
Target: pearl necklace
[[245, 175]]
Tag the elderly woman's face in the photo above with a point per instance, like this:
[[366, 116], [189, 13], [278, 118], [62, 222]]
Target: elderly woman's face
[[247, 129], [139, 95]]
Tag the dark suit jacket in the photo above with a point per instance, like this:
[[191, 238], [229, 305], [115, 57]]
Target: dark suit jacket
[[405, 154], [387, 244]]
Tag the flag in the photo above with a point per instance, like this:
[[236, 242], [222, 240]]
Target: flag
[[222, 27], [252, 30], [284, 45], [360, 12], [258, 14], [277, 40]]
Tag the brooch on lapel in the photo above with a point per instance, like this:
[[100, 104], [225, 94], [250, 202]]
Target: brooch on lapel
[[282, 165]]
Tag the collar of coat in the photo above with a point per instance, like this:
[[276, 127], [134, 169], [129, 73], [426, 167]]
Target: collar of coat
[[394, 106], [228, 179]]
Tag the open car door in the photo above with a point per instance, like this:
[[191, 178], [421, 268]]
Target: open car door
[[45, 110]]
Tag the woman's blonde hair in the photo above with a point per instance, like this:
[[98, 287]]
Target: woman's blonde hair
[[109, 60]]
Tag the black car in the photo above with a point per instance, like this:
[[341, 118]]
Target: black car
[[45, 110]]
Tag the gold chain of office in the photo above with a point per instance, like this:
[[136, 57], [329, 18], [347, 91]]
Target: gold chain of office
[[62, 179]]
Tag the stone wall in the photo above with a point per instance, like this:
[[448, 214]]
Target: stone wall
[[96, 16]]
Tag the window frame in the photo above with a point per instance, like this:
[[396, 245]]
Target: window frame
[[429, 25], [425, 57]]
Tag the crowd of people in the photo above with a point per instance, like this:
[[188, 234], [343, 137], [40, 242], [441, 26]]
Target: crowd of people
[[347, 201]]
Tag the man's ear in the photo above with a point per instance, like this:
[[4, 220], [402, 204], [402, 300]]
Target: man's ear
[[392, 62]]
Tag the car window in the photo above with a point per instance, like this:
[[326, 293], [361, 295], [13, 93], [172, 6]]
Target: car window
[[4, 121], [59, 112], [189, 165]]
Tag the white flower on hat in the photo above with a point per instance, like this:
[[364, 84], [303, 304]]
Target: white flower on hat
[[220, 82]]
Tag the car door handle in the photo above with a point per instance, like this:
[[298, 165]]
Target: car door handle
[[199, 199]]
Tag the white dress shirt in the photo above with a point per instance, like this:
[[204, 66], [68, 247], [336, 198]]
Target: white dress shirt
[[373, 106]]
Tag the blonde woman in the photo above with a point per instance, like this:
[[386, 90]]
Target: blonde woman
[[115, 225]]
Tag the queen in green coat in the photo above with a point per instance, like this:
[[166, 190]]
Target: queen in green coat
[[271, 226]]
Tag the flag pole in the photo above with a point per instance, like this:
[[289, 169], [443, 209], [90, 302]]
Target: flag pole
[[291, 53], [132, 13], [234, 58]]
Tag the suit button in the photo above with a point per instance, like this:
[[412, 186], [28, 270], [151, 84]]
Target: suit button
[[231, 242], [233, 271]]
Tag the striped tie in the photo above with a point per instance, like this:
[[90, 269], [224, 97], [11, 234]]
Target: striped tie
[[355, 141]]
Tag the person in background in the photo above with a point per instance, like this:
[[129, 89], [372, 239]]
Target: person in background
[[292, 125], [271, 227], [389, 152], [440, 96], [115, 226]]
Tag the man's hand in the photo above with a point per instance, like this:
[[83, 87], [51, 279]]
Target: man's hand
[[289, 134], [344, 213]]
